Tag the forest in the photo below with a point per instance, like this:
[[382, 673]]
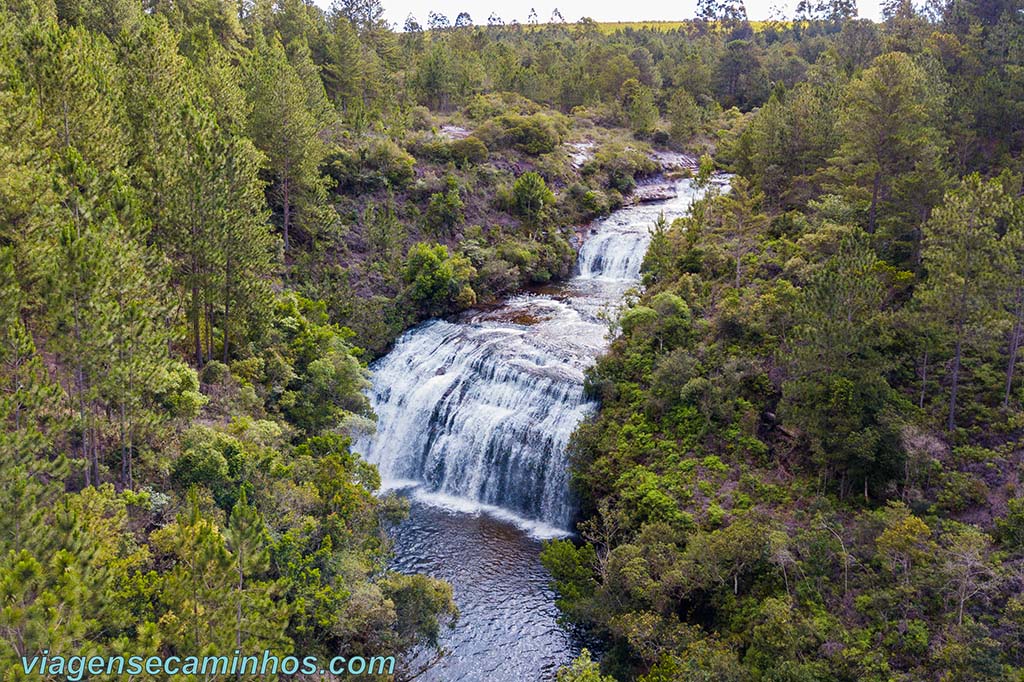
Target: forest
[[807, 461]]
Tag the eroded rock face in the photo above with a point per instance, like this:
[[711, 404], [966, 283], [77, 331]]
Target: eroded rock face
[[581, 152], [653, 191], [675, 161]]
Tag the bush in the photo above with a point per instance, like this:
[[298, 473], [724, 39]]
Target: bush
[[431, 148], [215, 372], [373, 165], [496, 103], [1011, 527], [587, 203], [530, 196], [961, 491], [534, 134], [420, 118], [210, 459], [496, 276], [438, 282], [444, 212], [620, 165], [465, 152], [468, 151]]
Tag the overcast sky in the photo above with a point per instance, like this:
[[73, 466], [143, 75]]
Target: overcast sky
[[599, 10]]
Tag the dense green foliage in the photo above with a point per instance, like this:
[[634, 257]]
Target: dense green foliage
[[806, 463], [176, 422]]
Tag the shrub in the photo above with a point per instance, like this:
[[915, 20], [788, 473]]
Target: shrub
[[420, 118], [496, 103], [438, 282], [620, 165], [496, 276], [1011, 527], [961, 491], [431, 148], [377, 163], [444, 212], [534, 134], [530, 196], [468, 151]]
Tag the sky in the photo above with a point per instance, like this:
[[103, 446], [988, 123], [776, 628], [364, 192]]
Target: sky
[[599, 10]]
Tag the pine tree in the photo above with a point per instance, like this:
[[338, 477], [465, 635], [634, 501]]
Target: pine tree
[[963, 260], [282, 126], [31, 417], [836, 391], [343, 72], [173, 142], [201, 183], [1013, 241], [77, 85], [740, 222], [890, 158], [684, 117], [308, 73], [138, 342], [637, 102], [213, 602], [250, 249], [104, 295], [78, 293], [24, 152], [790, 139], [247, 541], [196, 229], [109, 17], [198, 591], [198, 21]]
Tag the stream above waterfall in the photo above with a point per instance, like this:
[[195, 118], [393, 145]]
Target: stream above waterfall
[[474, 416]]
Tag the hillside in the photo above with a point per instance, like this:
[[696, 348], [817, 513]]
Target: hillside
[[805, 462]]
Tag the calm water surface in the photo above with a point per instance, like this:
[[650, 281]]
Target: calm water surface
[[508, 627]]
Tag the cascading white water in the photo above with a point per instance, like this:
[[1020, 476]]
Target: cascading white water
[[482, 409], [615, 253]]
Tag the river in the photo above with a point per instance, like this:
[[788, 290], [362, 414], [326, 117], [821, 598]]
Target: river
[[474, 415]]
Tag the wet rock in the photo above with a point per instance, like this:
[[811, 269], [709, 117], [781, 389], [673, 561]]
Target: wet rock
[[675, 161]]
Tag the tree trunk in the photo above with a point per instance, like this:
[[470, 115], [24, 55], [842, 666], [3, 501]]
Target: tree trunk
[[227, 305], [238, 612], [924, 380], [80, 390], [196, 333], [124, 445], [209, 330], [951, 421], [873, 211], [94, 456], [1014, 345], [286, 190]]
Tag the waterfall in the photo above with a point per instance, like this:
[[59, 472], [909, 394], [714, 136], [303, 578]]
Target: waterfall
[[615, 253], [482, 408]]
